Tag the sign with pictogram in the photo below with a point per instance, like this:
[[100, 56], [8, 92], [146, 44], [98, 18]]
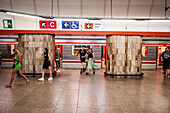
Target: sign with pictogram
[[7, 23], [47, 24], [92, 25], [74, 24], [88, 26], [65, 24], [52, 24], [43, 24], [70, 24]]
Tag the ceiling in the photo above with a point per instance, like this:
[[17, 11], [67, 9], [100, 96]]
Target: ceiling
[[90, 8]]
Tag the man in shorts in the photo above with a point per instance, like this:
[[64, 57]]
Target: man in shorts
[[165, 59], [82, 56]]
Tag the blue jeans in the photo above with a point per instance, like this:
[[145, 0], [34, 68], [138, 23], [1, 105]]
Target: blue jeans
[[57, 63]]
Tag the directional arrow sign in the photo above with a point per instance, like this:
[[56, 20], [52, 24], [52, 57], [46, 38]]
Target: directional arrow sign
[[7, 23], [43, 24]]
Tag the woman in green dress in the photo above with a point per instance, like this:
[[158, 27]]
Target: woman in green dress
[[90, 64], [17, 67]]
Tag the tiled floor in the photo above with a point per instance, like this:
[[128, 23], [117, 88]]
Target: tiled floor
[[71, 92]]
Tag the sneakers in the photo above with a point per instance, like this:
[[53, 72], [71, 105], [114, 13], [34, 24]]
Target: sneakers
[[50, 78], [58, 71], [87, 73], [41, 79]]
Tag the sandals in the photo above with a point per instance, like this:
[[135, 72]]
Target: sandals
[[28, 81], [8, 85]]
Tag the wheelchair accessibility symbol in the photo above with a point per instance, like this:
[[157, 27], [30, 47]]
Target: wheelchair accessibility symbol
[[74, 24], [70, 24]]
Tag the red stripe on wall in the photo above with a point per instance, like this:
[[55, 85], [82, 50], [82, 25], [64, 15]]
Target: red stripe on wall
[[155, 43], [88, 43], [7, 60], [78, 43], [8, 41], [63, 32], [148, 62]]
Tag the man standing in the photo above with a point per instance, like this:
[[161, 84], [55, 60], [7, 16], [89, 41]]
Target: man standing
[[82, 56], [165, 59]]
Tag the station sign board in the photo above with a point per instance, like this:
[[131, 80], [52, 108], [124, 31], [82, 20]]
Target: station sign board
[[47, 24], [92, 25], [70, 24], [88, 25]]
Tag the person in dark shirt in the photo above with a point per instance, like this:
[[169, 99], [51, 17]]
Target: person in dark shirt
[[91, 64], [82, 56], [165, 59]]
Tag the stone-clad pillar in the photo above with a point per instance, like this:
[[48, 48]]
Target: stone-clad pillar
[[31, 46], [124, 55]]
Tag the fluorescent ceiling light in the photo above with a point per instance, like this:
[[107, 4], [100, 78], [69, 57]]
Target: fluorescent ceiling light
[[158, 20], [123, 20], [140, 21], [23, 15]]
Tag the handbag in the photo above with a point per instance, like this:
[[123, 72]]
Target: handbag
[[14, 65]]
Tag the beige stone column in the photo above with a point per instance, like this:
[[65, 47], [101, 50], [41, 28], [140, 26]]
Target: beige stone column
[[31, 46], [124, 55]]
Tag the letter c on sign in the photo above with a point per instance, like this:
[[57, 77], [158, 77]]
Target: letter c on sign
[[51, 24]]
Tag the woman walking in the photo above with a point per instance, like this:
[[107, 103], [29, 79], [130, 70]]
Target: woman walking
[[91, 64], [16, 67], [46, 65]]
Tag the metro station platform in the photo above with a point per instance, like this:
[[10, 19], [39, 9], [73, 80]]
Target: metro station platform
[[71, 92]]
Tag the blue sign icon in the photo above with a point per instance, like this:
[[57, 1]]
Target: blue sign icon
[[74, 24], [66, 25], [70, 24]]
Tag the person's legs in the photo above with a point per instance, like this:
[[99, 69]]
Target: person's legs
[[164, 68], [49, 68], [42, 78], [164, 72], [93, 70], [12, 78], [51, 78], [88, 69], [57, 66], [43, 70], [82, 65], [20, 72]]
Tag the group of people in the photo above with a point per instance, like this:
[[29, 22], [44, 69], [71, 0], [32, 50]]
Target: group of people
[[47, 64], [82, 54], [165, 58], [17, 66]]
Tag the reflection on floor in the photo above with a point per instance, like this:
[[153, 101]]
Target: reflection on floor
[[71, 92]]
